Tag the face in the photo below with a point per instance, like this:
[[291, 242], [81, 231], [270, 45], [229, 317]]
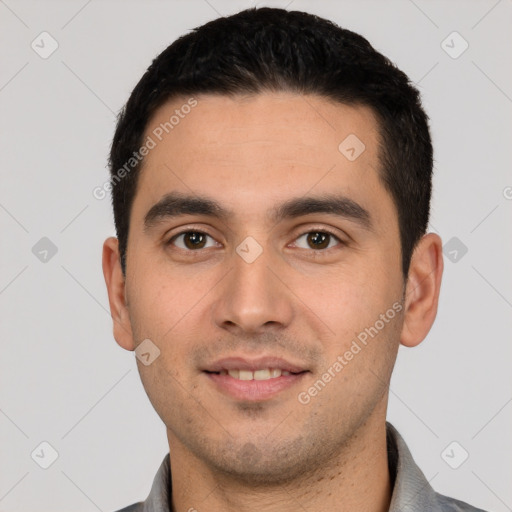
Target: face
[[264, 264]]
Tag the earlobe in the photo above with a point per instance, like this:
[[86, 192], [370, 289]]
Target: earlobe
[[115, 282], [422, 290]]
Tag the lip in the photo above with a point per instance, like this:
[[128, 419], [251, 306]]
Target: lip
[[243, 363], [254, 390]]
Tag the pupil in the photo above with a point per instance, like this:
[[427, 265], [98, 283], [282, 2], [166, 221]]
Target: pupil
[[319, 239], [194, 239]]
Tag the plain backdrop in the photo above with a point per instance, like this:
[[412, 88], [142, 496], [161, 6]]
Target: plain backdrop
[[63, 378]]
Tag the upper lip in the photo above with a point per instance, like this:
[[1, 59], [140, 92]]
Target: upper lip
[[244, 363]]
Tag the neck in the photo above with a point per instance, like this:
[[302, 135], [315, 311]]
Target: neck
[[357, 478]]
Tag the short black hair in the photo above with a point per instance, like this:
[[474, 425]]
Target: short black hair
[[272, 50]]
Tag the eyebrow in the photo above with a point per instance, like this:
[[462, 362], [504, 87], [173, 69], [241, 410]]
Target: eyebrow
[[176, 204]]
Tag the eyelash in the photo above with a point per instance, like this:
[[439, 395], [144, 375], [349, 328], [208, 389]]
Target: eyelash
[[316, 252]]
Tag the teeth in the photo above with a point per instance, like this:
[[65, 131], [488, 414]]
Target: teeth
[[264, 374], [245, 375]]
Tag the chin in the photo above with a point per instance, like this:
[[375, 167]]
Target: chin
[[268, 463]]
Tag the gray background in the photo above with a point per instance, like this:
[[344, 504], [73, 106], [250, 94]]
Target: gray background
[[64, 380]]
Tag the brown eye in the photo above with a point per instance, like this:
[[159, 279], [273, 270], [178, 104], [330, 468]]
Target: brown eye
[[190, 240], [318, 240]]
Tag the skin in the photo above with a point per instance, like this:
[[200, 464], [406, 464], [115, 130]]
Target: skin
[[294, 301]]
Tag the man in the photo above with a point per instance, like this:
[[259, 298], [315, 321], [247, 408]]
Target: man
[[271, 180]]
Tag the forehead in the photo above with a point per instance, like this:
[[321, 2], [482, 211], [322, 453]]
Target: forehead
[[248, 150]]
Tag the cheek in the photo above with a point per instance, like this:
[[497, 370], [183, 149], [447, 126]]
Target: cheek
[[159, 300], [351, 303], [169, 310], [166, 389], [345, 297]]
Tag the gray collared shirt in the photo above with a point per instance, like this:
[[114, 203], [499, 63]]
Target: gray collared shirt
[[411, 490]]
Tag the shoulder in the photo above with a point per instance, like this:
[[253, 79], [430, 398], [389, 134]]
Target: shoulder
[[159, 497], [411, 490], [136, 507], [447, 504]]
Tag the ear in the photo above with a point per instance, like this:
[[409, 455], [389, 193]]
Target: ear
[[422, 290], [115, 282]]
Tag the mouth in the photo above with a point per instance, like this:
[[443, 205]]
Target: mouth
[[254, 380], [262, 374]]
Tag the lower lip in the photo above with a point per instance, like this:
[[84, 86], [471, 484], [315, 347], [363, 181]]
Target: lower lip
[[254, 390]]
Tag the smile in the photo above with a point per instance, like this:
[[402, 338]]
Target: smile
[[263, 374]]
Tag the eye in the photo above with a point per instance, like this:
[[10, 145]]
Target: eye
[[318, 240], [194, 240], [191, 240]]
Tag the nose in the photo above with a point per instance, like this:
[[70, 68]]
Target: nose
[[254, 297]]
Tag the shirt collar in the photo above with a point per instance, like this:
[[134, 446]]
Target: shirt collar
[[411, 490]]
